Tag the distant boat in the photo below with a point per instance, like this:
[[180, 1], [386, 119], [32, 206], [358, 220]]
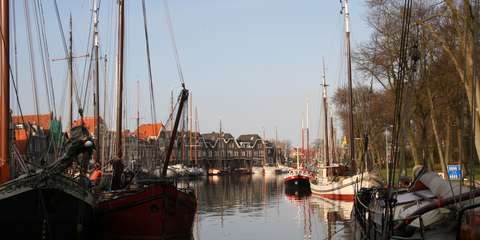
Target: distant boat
[[270, 169], [258, 170], [214, 171], [297, 179]]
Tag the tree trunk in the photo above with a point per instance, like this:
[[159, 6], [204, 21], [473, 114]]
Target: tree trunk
[[435, 131], [413, 146]]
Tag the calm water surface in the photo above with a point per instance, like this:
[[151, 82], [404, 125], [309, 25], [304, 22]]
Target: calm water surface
[[256, 207]]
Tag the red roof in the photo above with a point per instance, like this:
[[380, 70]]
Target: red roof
[[88, 122], [21, 140], [42, 120], [149, 130]]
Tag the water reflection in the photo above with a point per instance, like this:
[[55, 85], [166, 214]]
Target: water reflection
[[256, 206]]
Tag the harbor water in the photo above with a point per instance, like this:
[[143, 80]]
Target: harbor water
[[256, 207]]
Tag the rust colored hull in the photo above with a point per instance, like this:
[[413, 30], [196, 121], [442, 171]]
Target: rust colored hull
[[159, 211]]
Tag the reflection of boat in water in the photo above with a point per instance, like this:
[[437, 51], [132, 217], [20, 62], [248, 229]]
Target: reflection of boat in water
[[294, 193], [336, 215], [213, 179], [258, 170], [342, 209]]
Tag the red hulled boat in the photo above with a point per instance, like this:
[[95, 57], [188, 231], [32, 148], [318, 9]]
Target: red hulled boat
[[157, 211], [297, 180], [153, 209]]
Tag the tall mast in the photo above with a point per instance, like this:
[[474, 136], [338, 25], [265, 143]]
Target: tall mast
[[5, 93], [346, 15], [276, 142], [121, 34], [171, 109], [264, 147], [96, 100], [70, 78], [332, 138], [197, 131], [105, 87], [138, 121], [325, 110], [303, 137], [190, 113], [307, 136]]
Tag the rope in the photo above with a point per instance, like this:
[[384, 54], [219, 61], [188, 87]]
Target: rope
[[60, 28], [147, 45], [31, 53], [42, 54], [14, 78], [47, 55], [174, 44], [399, 86]]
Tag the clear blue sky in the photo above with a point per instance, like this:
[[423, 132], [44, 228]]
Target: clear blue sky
[[250, 63]]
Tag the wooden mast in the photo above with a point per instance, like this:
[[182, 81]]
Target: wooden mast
[[121, 34], [346, 14], [96, 100], [70, 78], [307, 136], [325, 110], [264, 147], [303, 140], [190, 113], [5, 93], [183, 98], [197, 131], [332, 139]]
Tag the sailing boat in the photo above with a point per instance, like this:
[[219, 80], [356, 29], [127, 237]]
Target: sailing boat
[[331, 180], [297, 180], [46, 203], [155, 208]]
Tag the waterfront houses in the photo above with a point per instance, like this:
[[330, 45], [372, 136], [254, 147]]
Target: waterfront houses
[[222, 151]]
